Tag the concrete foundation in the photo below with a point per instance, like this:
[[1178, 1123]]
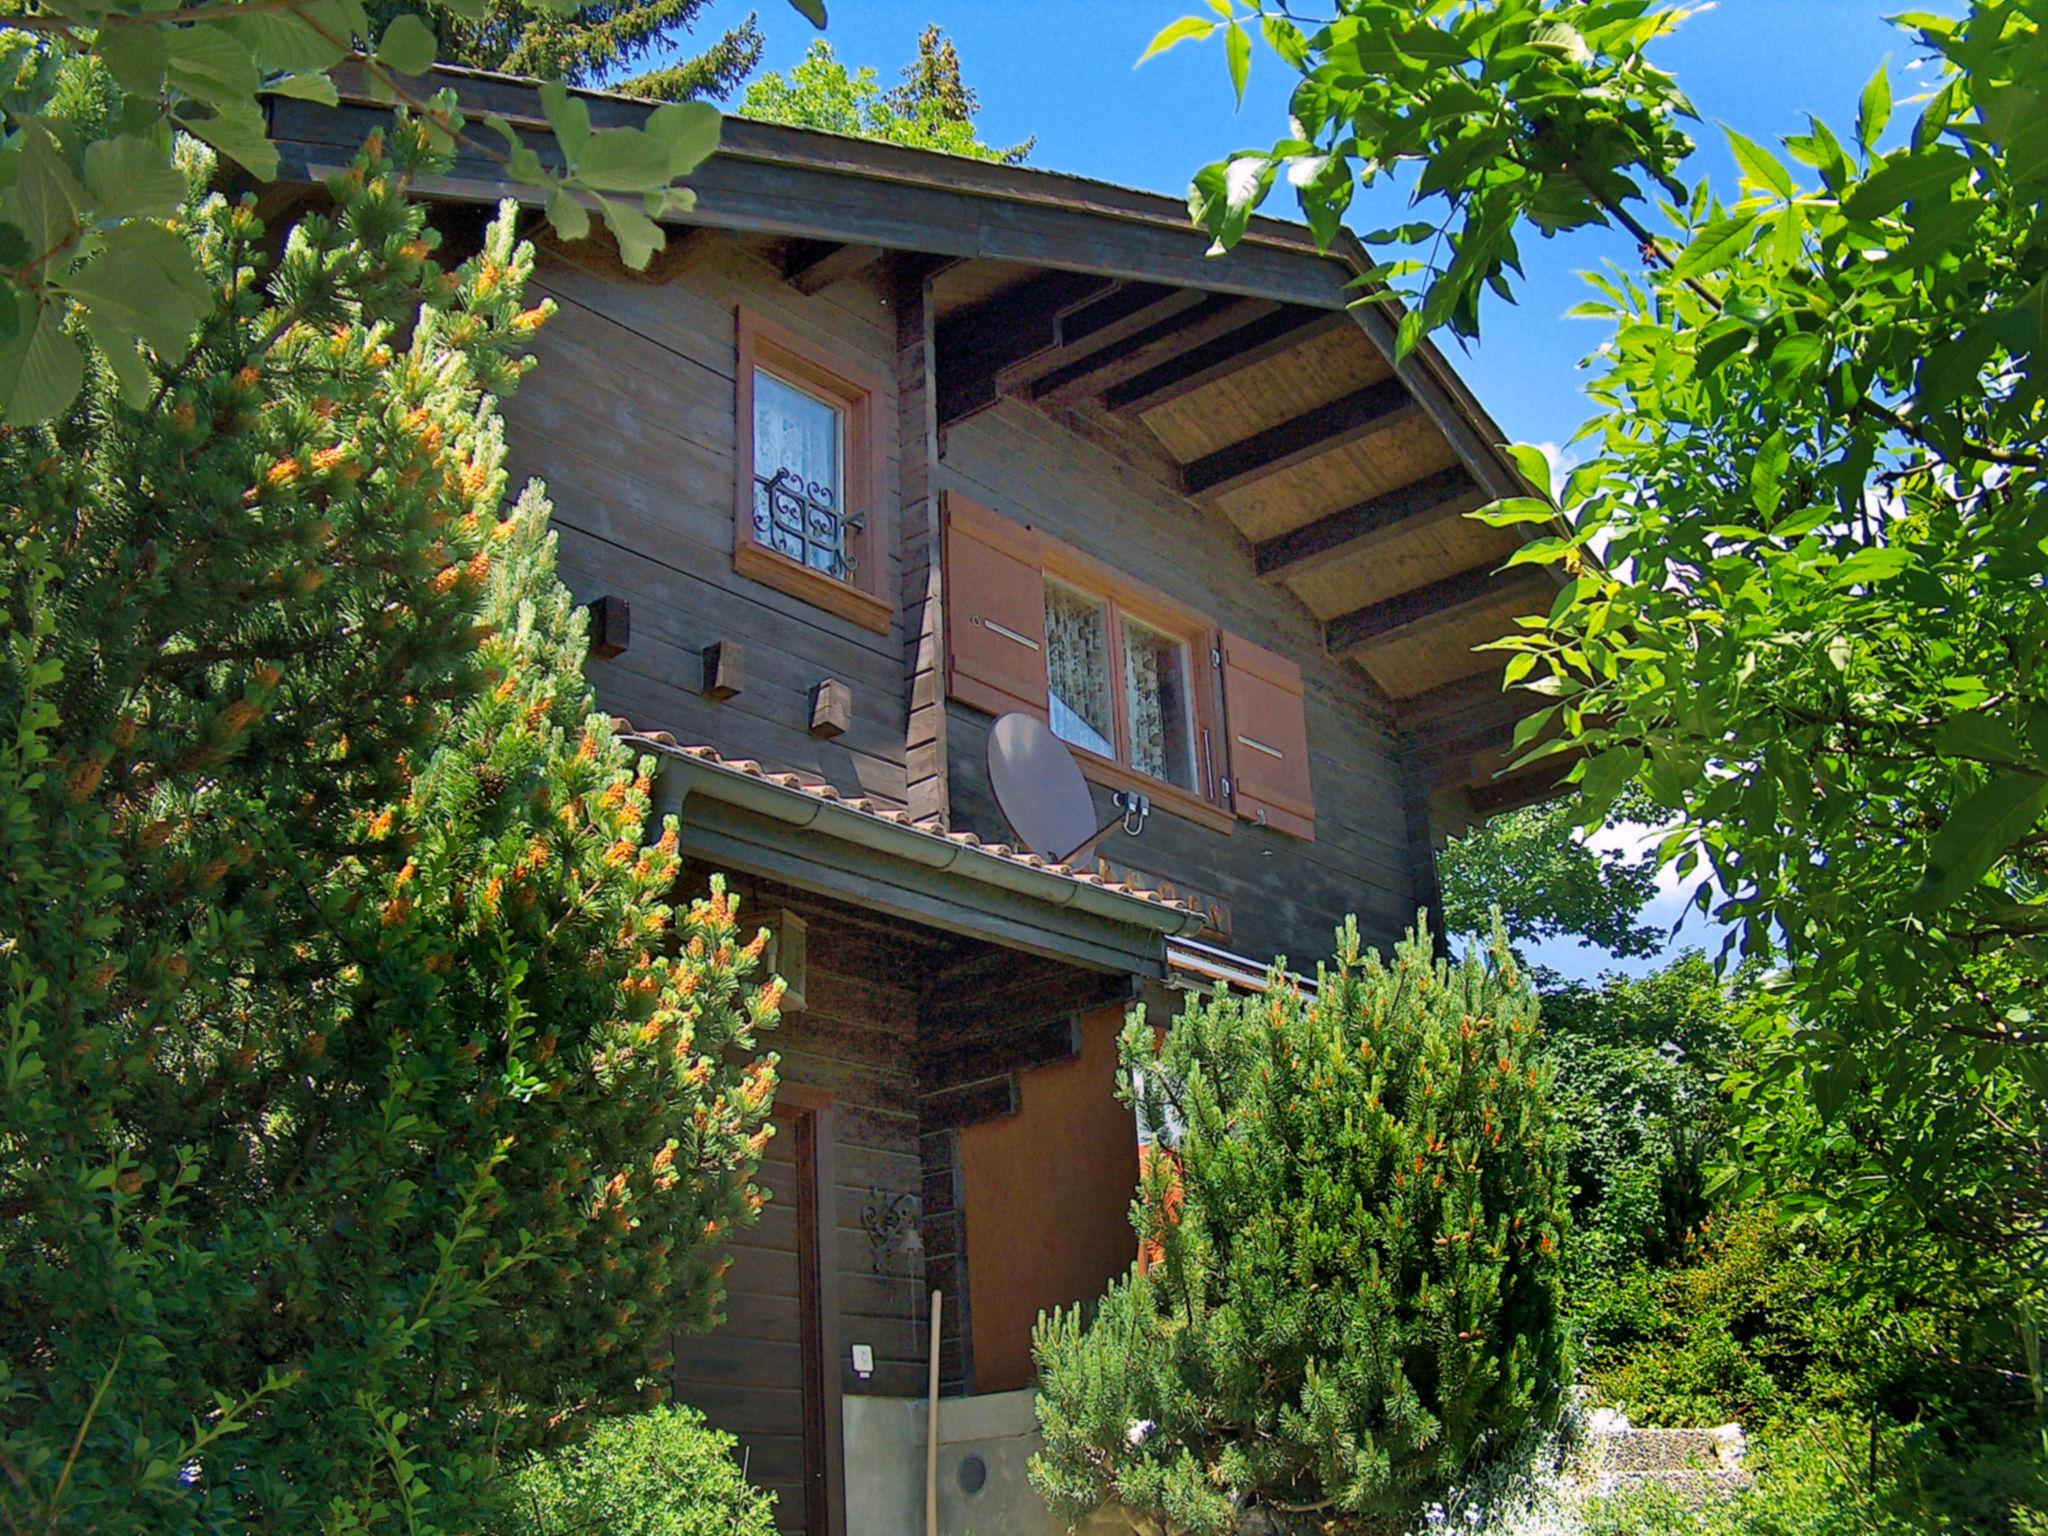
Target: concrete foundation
[[983, 1445]]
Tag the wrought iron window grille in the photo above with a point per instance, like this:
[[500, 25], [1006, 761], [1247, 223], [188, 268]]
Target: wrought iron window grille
[[799, 518]]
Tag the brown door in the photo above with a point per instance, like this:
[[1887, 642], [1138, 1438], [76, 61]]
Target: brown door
[[761, 1375]]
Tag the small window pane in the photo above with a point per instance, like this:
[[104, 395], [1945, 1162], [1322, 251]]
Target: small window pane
[[798, 481], [1077, 669], [1156, 702]]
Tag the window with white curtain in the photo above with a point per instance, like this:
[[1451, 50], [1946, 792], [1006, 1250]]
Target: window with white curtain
[[1117, 686]]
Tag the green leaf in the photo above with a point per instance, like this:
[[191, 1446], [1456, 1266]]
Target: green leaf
[[41, 369], [569, 116], [1980, 832], [1796, 353], [313, 87], [1983, 738], [690, 129], [1874, 109], [240, 134], [1905, 176], [1515, 509], [1767, 474], [209, 65], [812, 11], [1880, 562], [136, 57], [144, 277], [408, 45], [571, 220], [46, 203], [1175, 32], [622, 160], [124, 359], [1237, 53], [1535, 467], [1285, 39], [639, 237], [283, 40], [129, 177], [1714, 246], [1763, 168]]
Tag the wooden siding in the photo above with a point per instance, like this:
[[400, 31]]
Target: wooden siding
[[629, 422], [1286, 895]]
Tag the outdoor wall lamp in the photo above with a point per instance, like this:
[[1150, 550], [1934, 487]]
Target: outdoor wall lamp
[[890, 1222]]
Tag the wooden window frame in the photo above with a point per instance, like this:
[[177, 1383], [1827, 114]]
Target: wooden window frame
[[862, 394], [1120, 594]]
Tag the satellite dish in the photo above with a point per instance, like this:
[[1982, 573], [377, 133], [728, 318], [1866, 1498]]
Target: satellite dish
[[1040, 791]]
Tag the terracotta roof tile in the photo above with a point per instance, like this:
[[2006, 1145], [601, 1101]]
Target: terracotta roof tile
[[929, 825]]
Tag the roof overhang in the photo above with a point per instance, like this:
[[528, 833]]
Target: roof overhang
[[749, 823]]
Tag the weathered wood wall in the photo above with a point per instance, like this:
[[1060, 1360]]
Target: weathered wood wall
[[1286, 896], [629, 419]]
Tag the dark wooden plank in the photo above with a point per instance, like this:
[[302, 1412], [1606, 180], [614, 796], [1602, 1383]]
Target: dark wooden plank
[[1352, 532], [970, 1103], [1361, 413], [975, 344], [1217, 359], [812, 266], [1439, 602], [1014, 1048], [866, 193], [1172, 337]]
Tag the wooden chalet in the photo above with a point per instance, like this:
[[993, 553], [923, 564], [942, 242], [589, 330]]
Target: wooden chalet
[[887, 444]]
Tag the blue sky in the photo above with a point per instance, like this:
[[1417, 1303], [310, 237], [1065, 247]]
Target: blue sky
[[1062, 70]]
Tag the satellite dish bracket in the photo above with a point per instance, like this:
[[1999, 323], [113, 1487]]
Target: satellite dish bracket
[[1131, 810]]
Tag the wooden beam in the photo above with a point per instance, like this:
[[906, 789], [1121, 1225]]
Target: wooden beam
[[812, 266], [1439, 498], [1215, 315], [1539, 781], [1313, 433], [1227, 354], [969, 1104], [1440, 602], [979, 342], [1017, 1048]]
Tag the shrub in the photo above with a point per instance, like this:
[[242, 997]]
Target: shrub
[[662, 1473], [354, 1125], [1356, 1299]]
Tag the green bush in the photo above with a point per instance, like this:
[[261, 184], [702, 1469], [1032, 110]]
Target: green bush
[[1357, 1296], [663, 1473], [365, 1111]]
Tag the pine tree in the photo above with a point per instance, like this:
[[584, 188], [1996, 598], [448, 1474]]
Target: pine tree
[[594, 45], [367, 1117], [1355, 1295]]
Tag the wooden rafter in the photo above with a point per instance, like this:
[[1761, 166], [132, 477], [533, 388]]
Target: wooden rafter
[[1345, 535], [1215, 315], [979, 342], [812, 266], [1327, 427], [1280, 332], [1438, 603]]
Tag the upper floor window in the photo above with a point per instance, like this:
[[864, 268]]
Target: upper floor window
[[810, 474], [1150, 695], [1118, 686]]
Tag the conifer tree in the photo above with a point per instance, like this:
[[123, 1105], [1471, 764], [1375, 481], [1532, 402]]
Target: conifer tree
[[593, 45], [1354, 1298], [367, 1117]]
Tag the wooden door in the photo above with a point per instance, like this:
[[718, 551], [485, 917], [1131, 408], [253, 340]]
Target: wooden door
[[762, 1376]]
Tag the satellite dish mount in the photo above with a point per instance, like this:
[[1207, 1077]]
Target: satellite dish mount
[[1040, 791]]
